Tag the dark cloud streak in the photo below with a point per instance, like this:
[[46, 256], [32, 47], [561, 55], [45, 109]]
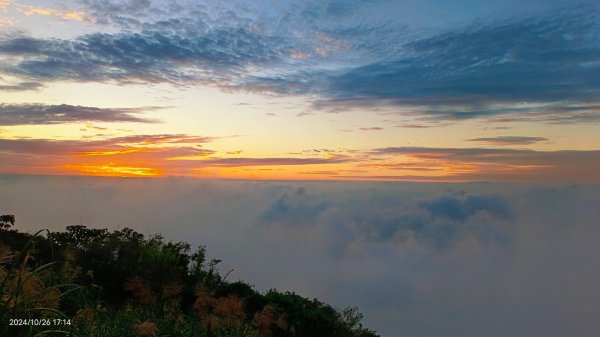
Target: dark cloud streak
[[23, 86], [40, 114], [509, 140]]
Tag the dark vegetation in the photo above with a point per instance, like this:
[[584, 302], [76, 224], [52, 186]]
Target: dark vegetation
[[120, 283]]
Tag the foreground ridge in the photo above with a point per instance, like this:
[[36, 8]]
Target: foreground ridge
[[94, 282]]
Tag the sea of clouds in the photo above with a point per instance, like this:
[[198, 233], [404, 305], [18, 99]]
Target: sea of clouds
[[419, 259]]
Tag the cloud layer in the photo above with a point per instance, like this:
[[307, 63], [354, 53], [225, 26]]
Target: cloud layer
[[136, 155], [187, 155], [478, 164], [421, 259]]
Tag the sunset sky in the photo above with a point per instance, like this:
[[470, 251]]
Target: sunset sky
[[464, 90], [322, 147]]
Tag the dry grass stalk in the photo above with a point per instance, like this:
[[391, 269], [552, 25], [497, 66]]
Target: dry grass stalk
[[204, 300], [84, 316], [230, 311], [172, 289], [24, 290], [6, 256], [264, 320], [282, 323], [146, 329], [141, 290], [70, 255]]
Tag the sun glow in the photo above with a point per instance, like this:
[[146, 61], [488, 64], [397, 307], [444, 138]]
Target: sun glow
[[107, 153], [113, 170]]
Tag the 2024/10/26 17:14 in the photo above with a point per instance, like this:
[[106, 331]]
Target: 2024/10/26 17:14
[[38, 321]]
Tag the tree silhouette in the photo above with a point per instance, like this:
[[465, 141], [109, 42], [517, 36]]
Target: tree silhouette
[[7, 221]]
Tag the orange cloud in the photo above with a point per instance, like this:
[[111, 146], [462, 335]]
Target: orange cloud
[[63, 15], [476, 164], [140, 155], [4, 4], [298, 54], [108, 153]]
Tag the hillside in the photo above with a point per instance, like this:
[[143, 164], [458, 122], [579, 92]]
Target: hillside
[[94, 282]]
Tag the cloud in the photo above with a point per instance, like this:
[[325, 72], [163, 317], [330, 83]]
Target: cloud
[[6, 22], [438, 223], [479, 154], [129, 13], [456, 208], [240, 162], [442, 223], [152, 147], [139, 155], [476, 164], [374, 128], [180, 154], [478, 71], [509, 140], [327, 173], [156, 155], [23, 86], [521, 60], [285, 17], [552, 113], [419, 126], [483, 71], [39, 114], [160, 139], [536, 112], [429, 231], [529, 68], [374, 246], [5, 4], [182, 53], [297, 209], [411, 166], [63, 15], [409, 177]]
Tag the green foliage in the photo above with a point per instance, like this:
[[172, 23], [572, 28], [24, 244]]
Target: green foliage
[[120, 283], [7, 221]]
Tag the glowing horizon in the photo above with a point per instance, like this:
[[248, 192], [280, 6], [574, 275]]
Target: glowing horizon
[[333, 92]]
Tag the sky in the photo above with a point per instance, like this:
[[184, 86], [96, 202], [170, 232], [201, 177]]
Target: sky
[[433, 91]]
